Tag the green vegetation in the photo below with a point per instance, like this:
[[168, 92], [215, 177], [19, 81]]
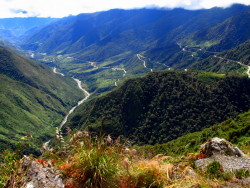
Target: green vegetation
[[235, 130], [227, 61], [224, 35], [174, 39], [239, 53], [33, 100], [165, 105], [86, 160], [214, 170]]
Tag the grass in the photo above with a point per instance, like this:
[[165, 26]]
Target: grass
[[86, 160], [33, 100]]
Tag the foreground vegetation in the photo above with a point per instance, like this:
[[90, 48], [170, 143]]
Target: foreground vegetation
[[86, 160]]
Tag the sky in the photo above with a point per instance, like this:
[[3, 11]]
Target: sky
[[62, 8]]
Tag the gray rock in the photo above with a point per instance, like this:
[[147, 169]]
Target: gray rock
[[38, 176], [228, 163], [230, 157], [220, 146]]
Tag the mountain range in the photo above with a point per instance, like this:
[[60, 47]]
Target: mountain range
[[14, 29], [174, 39], [108, 51]]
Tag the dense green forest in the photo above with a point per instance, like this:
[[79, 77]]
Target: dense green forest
[[235, 130], [165, 105]]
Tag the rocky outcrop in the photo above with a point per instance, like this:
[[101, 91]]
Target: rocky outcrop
[[230, 157], [220, 146], [36, 175]]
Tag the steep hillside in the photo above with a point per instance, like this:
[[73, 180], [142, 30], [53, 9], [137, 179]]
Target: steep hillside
[[233, 60], [114, 32], [33, 100], [203, 43], [165, 105], [235, 130], [226, 35]]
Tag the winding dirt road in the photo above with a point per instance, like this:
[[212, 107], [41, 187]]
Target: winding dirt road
[[248, 70], [79, 84], [139, 56]]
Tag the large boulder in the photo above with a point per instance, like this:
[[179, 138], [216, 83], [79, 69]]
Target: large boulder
[[230, 157], [220, 146]]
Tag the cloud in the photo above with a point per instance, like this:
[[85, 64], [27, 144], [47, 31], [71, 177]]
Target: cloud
[[19, 11], [61, 8]]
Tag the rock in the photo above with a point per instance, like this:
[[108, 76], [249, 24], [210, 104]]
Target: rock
[[228, 163], [38, 176], [220, 146], [230, 157]]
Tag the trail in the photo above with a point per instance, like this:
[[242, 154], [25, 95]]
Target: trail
[[219, 57]]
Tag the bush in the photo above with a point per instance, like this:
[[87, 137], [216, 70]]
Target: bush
[[214, 170], [8, 166]]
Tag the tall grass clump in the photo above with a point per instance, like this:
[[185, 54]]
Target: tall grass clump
[[93, 162]]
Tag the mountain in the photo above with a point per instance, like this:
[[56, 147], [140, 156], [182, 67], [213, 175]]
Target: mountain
[[165, 105], [33, 100], [228, 61], [16, 28], [226, 35], [202, 43], [113, 32], [88, 46]]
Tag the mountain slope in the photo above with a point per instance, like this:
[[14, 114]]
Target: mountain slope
[[17, 28], [113, 32], [90, 46], [226, 35], [165, 105], [235, 130], [229, 61], [33, 100]]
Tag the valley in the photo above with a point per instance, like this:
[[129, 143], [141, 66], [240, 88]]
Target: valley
[[118, 86]]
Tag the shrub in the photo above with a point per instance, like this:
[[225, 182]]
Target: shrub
[[242, 173], [8, 166], [214, 170]]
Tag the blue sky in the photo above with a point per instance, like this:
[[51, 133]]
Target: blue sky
[[62, 8]]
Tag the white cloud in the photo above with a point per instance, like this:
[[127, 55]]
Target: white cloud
[[61, 8]]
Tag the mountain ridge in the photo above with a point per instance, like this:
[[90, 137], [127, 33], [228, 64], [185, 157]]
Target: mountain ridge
[[164, 105], [33, 99]]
